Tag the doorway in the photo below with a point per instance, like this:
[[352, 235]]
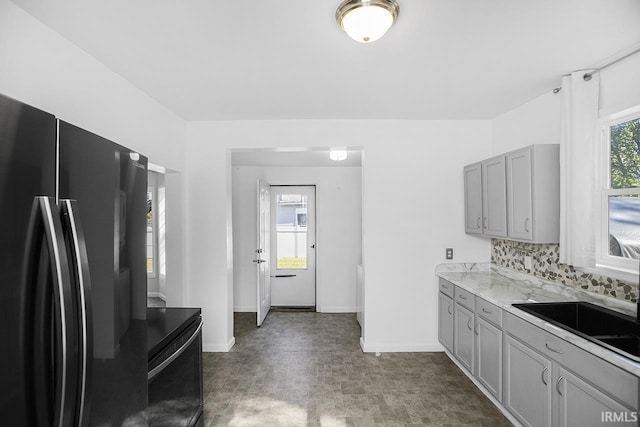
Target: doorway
[[293, 246]]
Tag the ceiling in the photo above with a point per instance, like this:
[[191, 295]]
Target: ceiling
[[293, 157], [288, 59]]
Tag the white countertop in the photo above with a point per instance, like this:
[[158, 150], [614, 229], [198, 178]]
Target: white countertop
[[504, 287]]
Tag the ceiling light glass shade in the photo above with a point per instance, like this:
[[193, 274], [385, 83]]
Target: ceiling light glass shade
[[338, 154], [366, 21]]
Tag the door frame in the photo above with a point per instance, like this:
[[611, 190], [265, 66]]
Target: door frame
[[287, 183]]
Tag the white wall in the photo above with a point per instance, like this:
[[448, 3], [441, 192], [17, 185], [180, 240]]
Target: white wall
[[414, 163], [538, 121], [338, 231], [41, 68]]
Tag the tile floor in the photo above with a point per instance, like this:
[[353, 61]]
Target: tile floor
[[302, 369]]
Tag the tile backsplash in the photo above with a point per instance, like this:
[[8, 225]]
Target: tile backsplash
[[545, 264]]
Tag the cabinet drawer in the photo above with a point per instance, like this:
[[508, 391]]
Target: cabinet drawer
[[446, 287], [616, 382], [489, 311], [464, 297]]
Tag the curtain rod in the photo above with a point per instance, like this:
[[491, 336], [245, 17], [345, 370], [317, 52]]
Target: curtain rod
[[587, 76]]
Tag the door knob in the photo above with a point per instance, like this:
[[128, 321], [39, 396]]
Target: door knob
[[259, 261]]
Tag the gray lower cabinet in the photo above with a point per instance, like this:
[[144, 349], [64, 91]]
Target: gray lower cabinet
[[489, 357], [580, 404], [527, 390], [445, 321], [463, 336], [550, 382]]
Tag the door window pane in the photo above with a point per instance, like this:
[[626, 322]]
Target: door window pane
[[624, 226], [291, 231]]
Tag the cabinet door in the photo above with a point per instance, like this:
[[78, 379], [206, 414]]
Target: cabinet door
[[580, 404], [473, 199], [463, 336], [445, 323], [527, 387], [494, 197], [519, 190], [489, 357]]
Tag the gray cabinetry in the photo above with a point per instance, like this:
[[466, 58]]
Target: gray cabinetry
[[533, 194], [515, 195], [580, 387], [494, 197], [527, 390], [489, 356], [445, 321], [473, 198], [463, 334], [580, 404]]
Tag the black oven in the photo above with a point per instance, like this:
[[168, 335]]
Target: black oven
[[175, 370]]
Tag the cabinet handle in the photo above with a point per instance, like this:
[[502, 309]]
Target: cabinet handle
[[444, 286], [526, 225], [552, 349], [484, 222], [462, 296], [476, 328], [546, 368], [558, 385], [449, 309], [484, 310], [469, 324], [478, 222]]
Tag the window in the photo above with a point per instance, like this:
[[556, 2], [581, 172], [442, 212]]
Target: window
[[618, 238], [150, 234], [291, 231]]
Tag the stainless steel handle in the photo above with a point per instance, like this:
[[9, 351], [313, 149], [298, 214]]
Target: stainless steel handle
[[546, 368], [484, 222], [475, 329], [449, 309], [469, 324], [526, 225], [161, 367], [461, 296], [552, 349], [80, 262], [53, 347], [478, 223], [558, 385], [444, 286], [484, 310]]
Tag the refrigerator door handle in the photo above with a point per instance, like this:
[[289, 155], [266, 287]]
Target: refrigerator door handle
[[58, 372], [79, 265]]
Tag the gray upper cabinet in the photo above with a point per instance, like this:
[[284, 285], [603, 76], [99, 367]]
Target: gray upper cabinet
[[533, 194], [519, 195], [494, 197], [473, 198]]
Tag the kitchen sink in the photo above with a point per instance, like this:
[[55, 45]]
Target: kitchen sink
[[602, 326]]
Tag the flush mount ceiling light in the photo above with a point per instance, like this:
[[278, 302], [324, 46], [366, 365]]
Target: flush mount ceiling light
[[338, 154], [366, 21]]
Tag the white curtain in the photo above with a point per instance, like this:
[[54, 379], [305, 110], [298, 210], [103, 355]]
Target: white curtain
[[577, 168]]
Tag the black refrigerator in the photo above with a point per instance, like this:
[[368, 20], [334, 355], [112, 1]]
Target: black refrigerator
[[72, 274]]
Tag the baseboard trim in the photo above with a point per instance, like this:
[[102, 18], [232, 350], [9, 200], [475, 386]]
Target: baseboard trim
[[400, 348], [244, 309], [216, 348], [157, 295], [337, 309]]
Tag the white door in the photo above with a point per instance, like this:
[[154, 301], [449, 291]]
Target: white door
[[293, 238], [263, 249]]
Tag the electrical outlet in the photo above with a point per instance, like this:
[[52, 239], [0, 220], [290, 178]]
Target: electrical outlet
[[449, 253], [527, 262]]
